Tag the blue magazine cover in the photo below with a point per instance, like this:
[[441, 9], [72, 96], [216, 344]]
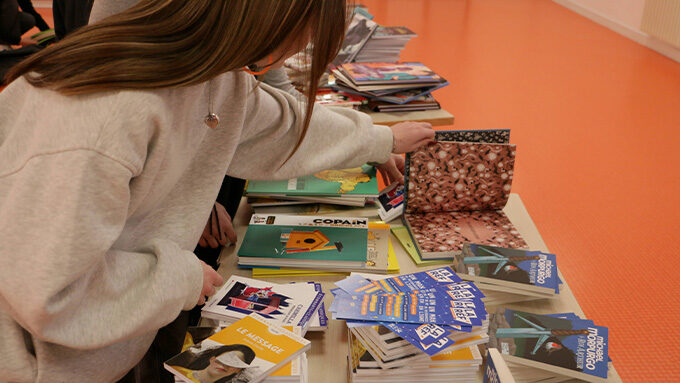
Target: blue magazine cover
[[574, 344], [423, 280]]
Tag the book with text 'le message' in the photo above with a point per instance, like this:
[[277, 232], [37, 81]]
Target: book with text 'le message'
[[247, 351], [306, 242], [570, 347], [455, 191], [284, 304]]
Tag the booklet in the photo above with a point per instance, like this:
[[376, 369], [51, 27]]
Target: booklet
[[284, 304], [247, 351]]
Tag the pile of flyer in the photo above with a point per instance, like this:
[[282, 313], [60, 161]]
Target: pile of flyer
[[424, 325]]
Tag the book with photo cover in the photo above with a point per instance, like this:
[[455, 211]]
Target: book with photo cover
[[573, 347], [246, 351], [455, 191]]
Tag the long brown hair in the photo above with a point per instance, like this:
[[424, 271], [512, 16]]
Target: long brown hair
[[174, 43]]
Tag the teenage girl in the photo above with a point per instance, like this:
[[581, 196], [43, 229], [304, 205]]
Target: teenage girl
[[113, 145]]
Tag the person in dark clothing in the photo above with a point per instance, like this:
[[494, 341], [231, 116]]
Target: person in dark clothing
[[13, 23], [70, 15], [27, 7]]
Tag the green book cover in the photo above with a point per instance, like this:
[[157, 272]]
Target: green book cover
[[306, 238], [357, 182]]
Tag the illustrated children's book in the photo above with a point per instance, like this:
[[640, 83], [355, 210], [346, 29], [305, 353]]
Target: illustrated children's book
[[284, 304], [247, 351], [315, 242], [455, 191], [516, 269], [391, 202], [571, 347]]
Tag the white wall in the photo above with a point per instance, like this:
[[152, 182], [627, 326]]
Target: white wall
[[624, 17]]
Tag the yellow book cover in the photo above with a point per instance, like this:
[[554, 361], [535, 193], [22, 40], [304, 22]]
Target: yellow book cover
[[247, 351], [406, 241]]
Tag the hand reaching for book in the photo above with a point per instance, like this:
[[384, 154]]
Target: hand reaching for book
[[219, 230], [409, 136], [392, 170], [210, 280]]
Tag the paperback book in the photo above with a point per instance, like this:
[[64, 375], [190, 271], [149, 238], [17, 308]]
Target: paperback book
[[518, 270], [358, 32], [247, 351], [565, 346], [283, 304], [496, 370], [455, 191]]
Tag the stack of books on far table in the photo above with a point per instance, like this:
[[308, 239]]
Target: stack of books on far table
[[385, 45], [350, 187], [550, 348], [509, 275], [387, 84], [412, 326]]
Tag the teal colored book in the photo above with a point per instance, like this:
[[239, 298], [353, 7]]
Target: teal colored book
[[356, 182], [320, 242]]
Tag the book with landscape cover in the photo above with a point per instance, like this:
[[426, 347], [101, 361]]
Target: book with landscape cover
[[247, 351], [283, 304], [574, 347], [455, 191], [514, 268]]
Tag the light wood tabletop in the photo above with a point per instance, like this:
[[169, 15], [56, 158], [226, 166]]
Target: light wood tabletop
[[327, 357]]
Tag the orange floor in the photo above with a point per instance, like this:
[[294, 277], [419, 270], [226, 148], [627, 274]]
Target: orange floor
[[596, 118]]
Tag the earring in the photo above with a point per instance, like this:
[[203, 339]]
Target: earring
[[263, 71]]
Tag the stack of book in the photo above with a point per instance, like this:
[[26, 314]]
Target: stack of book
[[282, 304], [509, 275], [252, 350], [359, 31], [385, 45], [385, 84], [350, 187], [553, 348], [315, 242], [495, 368], [328, 97], [427, 313]]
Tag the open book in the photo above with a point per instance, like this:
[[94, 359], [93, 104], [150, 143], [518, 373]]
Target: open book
[[455, 191]]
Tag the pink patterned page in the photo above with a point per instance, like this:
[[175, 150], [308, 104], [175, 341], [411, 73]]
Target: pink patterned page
[[460, 176], [447, 232]]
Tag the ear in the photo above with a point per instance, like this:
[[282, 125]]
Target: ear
[[212, 359]]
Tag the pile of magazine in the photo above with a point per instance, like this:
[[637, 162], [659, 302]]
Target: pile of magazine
[[390, 86], [252, 350], [385, 45], [350, 187], [423, 325], [553, 348], [330, 243], [503, 272], [288, 304]]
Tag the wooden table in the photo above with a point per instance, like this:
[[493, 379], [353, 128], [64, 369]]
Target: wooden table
[[327, 357], [437, 117]]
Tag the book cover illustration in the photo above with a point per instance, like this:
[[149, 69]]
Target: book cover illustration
[[356, 284], [357, 182], [285, 304], [533, 268], [391, 202], [568, 343], [247, 351], [386, 73], [359, 31], [306, 237]]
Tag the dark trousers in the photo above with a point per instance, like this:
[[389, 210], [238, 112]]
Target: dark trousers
[[27, 7], [70, 15], [169, 340]]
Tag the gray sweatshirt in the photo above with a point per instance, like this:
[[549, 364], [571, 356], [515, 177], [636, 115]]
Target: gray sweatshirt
[[104, 196]]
